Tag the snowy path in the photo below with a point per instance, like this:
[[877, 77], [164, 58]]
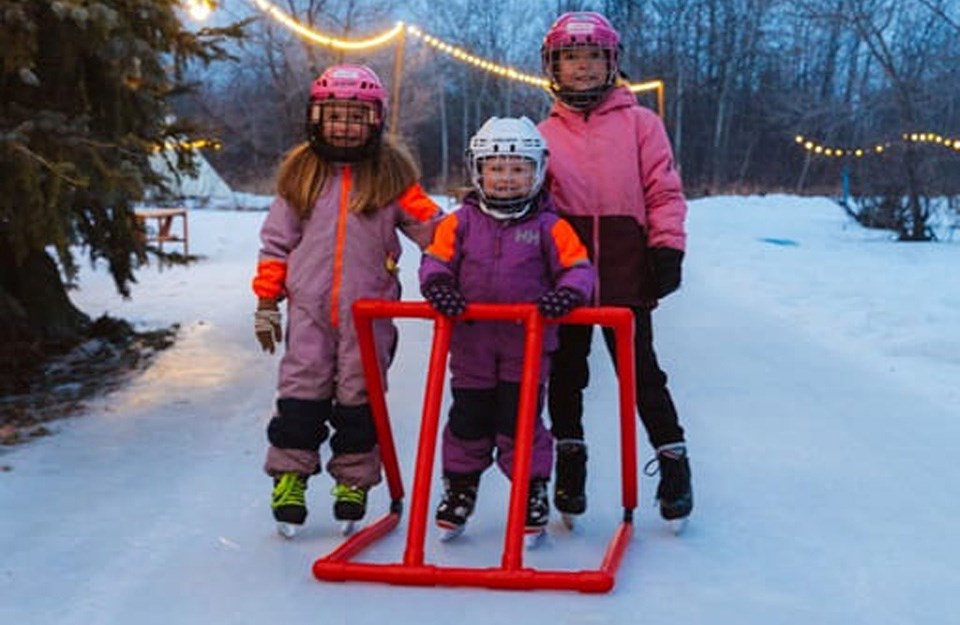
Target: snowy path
[[821, 488]]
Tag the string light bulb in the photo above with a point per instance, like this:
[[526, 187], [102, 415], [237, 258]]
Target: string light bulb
[[199, 10], [438, 44], [858, 152], [326, 40]]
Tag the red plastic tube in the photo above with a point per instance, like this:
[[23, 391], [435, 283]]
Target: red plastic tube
[[336, 566]]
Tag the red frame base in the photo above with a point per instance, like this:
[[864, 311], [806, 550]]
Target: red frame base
[[511, 574]]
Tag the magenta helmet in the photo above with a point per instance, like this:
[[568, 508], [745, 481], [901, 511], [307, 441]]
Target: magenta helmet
[[580, 29], [346, 82]]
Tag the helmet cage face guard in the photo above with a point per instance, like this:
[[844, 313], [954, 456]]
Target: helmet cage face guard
[[505, 140], [348, 119], [587, 98], [578, 31]]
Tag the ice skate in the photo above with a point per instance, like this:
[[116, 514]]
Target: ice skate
[[569, 496], [538, 514], [459, 500], [289, 503], [678, 526], [349, 506], [674, 493], [287, 530]]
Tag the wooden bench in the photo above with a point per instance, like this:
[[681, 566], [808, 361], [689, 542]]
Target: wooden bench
[[161, 229]]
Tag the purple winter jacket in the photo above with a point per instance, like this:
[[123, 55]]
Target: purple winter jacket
[[495, 261]]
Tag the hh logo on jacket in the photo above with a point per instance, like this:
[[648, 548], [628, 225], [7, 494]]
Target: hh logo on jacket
[[527, 235]]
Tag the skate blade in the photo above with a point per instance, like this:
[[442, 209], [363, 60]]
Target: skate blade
[[347, 527], [450, 532], [678, 526], [287, 530], [533, 539], [569, 521]]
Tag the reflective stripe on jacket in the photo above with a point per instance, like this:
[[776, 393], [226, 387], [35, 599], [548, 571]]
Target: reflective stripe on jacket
[[336, 256]]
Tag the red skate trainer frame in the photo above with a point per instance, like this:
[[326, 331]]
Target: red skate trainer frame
[[511, 574]]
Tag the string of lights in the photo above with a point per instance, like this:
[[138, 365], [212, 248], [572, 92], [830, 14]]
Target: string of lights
[[489, 66], [326, 40], [191, 145], [397, 30], [818, 149]]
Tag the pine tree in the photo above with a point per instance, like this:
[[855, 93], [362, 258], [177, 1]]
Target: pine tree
[[85, 92]]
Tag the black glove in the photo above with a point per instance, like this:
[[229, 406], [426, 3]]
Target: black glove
[[445, 298], [666, 269], [558, 302]]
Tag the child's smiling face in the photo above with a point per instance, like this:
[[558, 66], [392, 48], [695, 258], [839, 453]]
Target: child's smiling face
[[582, 68], [346, 124], [507, 177]]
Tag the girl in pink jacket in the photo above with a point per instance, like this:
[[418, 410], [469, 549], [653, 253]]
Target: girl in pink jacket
[[330, 238], [612, 176]]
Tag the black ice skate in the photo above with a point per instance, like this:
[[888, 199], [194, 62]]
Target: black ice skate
[[289, 503], [538, 513], [673, 493], [459, 500], [569, 496], [349, 506]]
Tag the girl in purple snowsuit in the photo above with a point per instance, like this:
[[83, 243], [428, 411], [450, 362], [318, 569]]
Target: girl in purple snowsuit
[[504, 244], [330, 238]]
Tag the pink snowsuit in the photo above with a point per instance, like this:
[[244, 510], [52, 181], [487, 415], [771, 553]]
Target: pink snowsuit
[[322, 264]]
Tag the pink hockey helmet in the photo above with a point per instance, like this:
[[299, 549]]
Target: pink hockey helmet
[[581, 29], [348, 81], [345, 83]]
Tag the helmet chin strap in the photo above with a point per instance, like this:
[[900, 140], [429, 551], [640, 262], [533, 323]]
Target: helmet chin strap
[[490, 208], [344, 154], [582, 101]]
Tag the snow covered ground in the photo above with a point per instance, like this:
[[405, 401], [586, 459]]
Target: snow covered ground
[[814, 364]]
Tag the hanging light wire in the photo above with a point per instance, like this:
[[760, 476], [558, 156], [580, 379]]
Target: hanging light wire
[[325, 40], [858, 152], [436, 43]]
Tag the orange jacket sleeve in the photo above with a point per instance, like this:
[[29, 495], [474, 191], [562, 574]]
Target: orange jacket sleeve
[[271, 275]]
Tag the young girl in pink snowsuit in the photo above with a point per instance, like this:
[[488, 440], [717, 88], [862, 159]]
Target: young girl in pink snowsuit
[[612, 176], [504, 244], [330, 238]]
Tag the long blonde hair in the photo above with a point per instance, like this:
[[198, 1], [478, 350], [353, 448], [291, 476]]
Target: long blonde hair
[[378, 180]]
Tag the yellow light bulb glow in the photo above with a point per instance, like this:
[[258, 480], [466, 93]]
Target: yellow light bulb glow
[[192, 145], [199, 10], [471, 59], [325, 40], [911, 137], [449, 49]]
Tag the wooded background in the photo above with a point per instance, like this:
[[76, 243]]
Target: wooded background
[[90, 89], [743, 78]]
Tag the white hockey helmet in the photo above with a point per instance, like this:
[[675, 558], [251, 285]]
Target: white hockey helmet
[[507, 136]]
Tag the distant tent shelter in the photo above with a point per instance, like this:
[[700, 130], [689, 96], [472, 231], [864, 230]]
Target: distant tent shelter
[[164, 209], [205, 189]]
